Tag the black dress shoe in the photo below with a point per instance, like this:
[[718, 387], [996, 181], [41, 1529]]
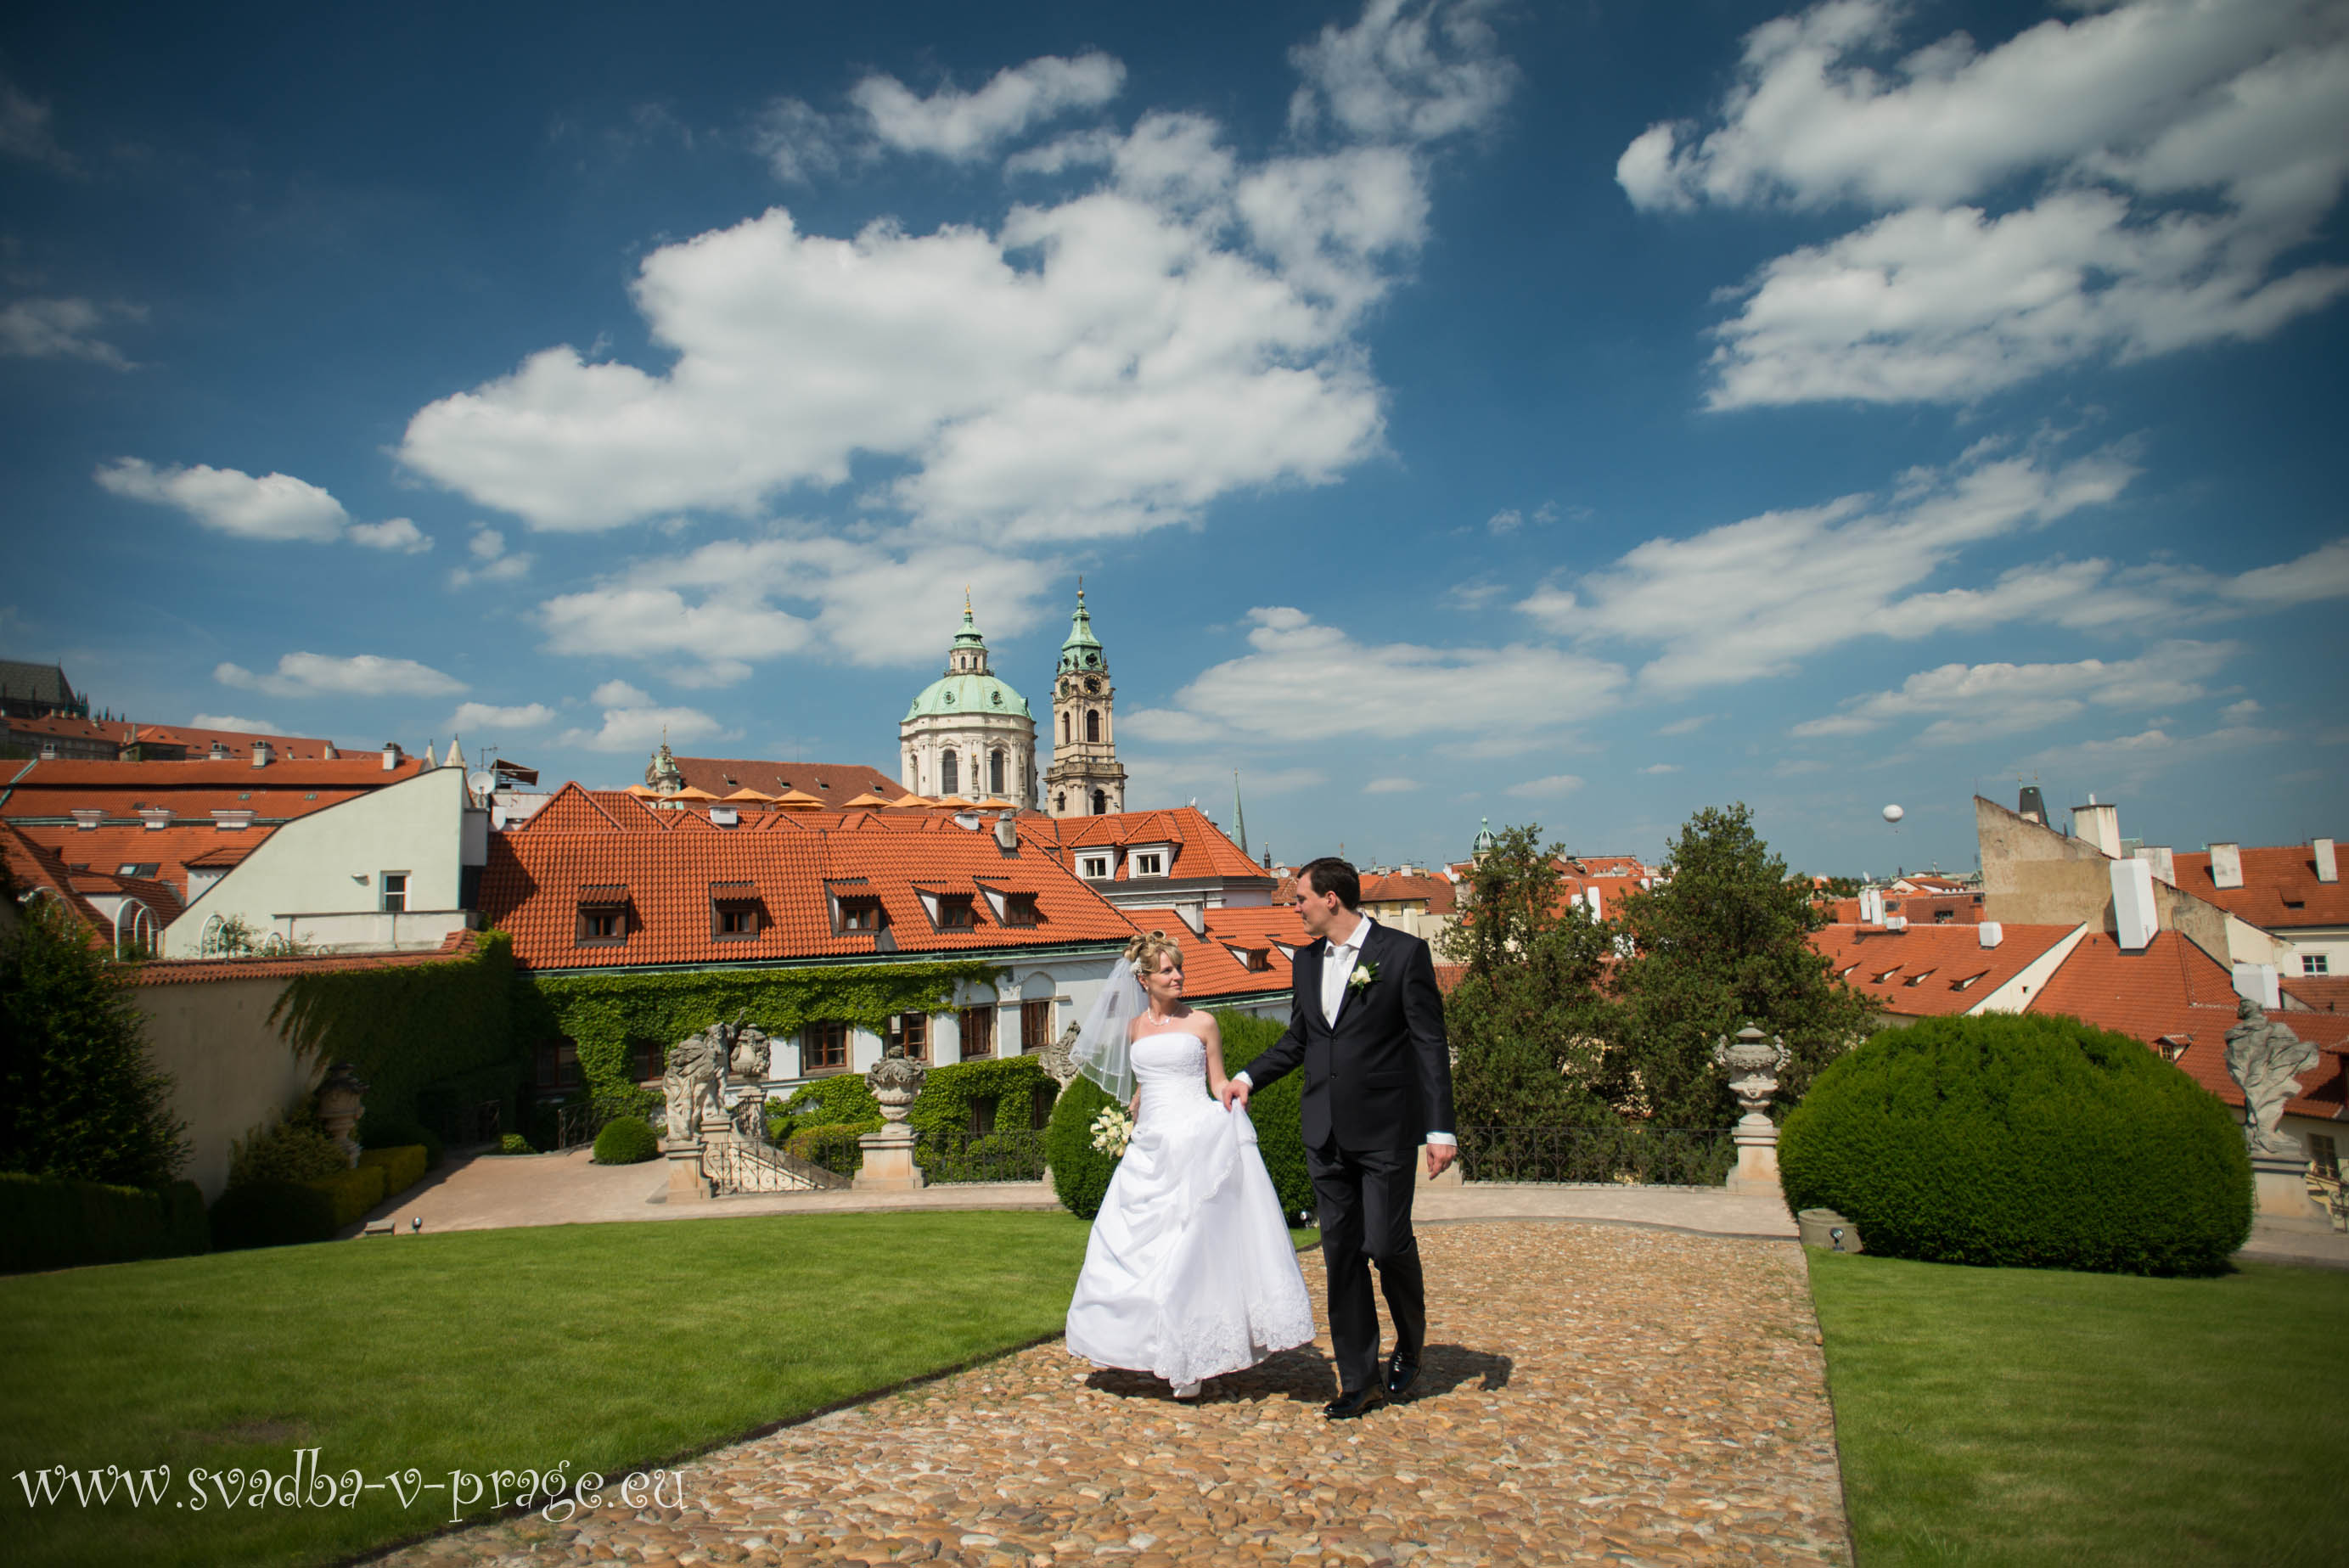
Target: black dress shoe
[[1402, 1371], [1354, 1402]]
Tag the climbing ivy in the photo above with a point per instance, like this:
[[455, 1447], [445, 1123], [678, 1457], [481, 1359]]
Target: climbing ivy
[[607, 1014], [447, 1027]]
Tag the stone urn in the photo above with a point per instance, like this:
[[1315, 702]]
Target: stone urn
[[888, 1165], [895, 1080], [340, 1101], [1753, 1061]]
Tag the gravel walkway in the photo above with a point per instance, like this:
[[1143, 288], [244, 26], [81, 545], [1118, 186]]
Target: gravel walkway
[[1593, 1393]]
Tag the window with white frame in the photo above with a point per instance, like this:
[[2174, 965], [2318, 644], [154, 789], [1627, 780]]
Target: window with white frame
[[1093, 866], [2315, 964], [395, 891]]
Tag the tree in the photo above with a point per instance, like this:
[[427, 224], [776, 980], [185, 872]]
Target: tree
[[1526, 1021], [1720, 940], [78, 1096]]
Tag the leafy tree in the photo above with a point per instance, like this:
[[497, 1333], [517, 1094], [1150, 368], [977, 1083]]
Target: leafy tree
[[1526, 1021], [1721, 939], [1841, 887], [78, 1096]]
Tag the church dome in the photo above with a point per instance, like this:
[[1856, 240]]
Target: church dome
[[955, 694]]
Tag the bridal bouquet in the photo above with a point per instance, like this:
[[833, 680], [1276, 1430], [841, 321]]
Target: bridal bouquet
[[1112, 1130]]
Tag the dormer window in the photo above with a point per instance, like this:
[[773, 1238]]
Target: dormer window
[[603, 916], [862, 914], [1019, 909], [955, 912], [734, 912], [1095, 867]]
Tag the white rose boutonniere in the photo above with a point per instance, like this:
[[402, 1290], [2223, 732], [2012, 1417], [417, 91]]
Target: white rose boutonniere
[[1363, 975]]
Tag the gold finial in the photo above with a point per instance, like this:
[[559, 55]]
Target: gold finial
[[966, 598]]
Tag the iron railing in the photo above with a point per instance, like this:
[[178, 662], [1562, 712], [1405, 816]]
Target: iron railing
[[1649, 1156], [832, 1149], [578, 1123], [466, 1126], [1008, 1154]]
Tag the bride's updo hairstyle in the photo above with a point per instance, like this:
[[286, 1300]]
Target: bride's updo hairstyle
[[1145, 952]]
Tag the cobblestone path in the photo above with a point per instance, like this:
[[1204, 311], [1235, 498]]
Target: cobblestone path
[[1592, 1393]]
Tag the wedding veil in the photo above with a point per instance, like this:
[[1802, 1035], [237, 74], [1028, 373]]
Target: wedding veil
[[1103, 1053]]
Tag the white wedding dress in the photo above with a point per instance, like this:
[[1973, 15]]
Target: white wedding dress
[[1190, 1272]]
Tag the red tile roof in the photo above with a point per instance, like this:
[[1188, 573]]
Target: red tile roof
[[2176, 991], [1932, 971], [2280, 889], [33, 864], [1916, 908], [1432, 891], [118, 733], [196, 970], [2323, 993], [1200, 848], [835, 783], [668, 859], [1212, 975]]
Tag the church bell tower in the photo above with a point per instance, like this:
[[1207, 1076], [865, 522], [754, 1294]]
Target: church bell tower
[[1086, 780]]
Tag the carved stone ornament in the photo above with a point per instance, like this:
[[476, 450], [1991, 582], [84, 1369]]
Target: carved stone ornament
[[694, 1083], [1058, 1058], [1754, 1063], [339, 1103], [894, 1081], [2266, 1059], [751, 1050]]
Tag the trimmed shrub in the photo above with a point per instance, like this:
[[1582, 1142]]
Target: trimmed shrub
[[2021, 1140], [1081, 1172], [1277, 1111], [515, 1143], [950, 1093], [998, 1156], [844, 1099], [49, 1223], [398, 1133], [272, 1215], [402, 1168], [626, 1140], [296, 1150], [835, 1147], [353, 1192]]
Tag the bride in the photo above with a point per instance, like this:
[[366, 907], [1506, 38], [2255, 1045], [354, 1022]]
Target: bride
[[1190, 1271]]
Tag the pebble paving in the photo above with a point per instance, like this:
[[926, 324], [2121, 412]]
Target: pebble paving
[[1592, 1394]]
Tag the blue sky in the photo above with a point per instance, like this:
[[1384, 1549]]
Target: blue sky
[[1579, 415]]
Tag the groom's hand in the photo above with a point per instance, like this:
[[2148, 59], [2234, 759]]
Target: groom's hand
[[1439, 1155], [1235, 1092]]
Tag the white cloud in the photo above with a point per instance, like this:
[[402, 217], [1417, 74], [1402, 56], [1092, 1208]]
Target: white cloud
[[800, 142], [482, 715], [1508, 519], [231, 723], [228, 501], [1688, 726], [620, 694], [25, 130], [492, 562], [1552, 788], [1752, 599], [1304, 682], [965, 126], [2239, 712], [2169, 154], [2321, 574], [1655, 769], [394, 533], [1974, 702], [55, 328], [1390, 787], [2124, 760], [360, 675], [633, 724], [1184, 328], [1405, 73]]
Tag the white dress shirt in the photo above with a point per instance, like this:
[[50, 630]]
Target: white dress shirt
[[1338, 961]]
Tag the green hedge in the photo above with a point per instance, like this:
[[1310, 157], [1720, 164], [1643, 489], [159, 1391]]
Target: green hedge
[[294, 1148], [626, 1140], [831, 1146], [398, 1132], [352, 1191], [49, 1223], [949, 1093], [2021, 1140], [441, 1031], [844, 1099], [402, 1168], [272, 1215], [1081, 1172]]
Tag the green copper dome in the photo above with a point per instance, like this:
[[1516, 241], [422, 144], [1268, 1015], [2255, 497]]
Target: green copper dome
[[1083, 651], [967, 686]]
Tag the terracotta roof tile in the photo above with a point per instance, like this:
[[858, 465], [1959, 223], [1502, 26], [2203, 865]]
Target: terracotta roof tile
[[1932, 971], [832, 782], [1200, 848], [196, 970], [2280, 889]]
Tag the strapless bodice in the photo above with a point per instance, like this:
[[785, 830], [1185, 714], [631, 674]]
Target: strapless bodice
[[1171, 1072]]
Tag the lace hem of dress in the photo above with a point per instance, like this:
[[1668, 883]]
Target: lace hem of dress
[[1213, 1347]]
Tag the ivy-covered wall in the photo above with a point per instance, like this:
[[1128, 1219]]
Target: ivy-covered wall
[[446, 1027], [608, 1015]]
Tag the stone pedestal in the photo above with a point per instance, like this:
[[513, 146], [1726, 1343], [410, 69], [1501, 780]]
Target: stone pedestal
[[2280, 1187], [1758, 1158], [889, 1161], [687, 1184]]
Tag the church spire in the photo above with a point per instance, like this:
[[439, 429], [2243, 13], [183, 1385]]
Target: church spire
[[1239, 815]]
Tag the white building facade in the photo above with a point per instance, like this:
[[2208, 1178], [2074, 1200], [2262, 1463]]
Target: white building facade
[[969, 733]]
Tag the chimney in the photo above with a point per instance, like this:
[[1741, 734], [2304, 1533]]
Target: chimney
[[1590, 897], [2226, 865], [1194, 916], [390, 755], [264, 754], [2134, 917], [1871, 906], [329, 754], [2099, 825], [1991, 933], [1006, 834], [156, 816], [220, 752], [2164, 863], [86, 817], [2257, 981], [2032, 806], [2328, 869]]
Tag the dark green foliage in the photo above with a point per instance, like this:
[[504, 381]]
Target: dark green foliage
[[2021, 1140], [1510, 1081], [626, 1140], [834, 1146], [842, 1100], [296, 1150], [1081, 1172], [1512, 891], [607, 1016], [402, 1168], [1280, 1121], [436, 1031], [949, 1094], [271, 1214], [353, 1192], [1015, 1156], [49, 1223], [1723, 941], [78, 1096], [377, 1131], [515, 1143]]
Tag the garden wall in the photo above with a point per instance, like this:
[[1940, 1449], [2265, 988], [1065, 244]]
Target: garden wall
[[231, 1069]]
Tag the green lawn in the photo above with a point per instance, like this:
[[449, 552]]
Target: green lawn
[[1994, 1416], [605, 1345]]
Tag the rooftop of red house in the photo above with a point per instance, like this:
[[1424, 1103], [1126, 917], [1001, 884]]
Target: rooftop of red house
[[1932, 971], [2178, 999], [1431, 890], [2280, 889], [835, 783], [198, 743], [1916, 908], [196, 970], [1239, 956], [2319, 993], [1196, 847], [814, 885]]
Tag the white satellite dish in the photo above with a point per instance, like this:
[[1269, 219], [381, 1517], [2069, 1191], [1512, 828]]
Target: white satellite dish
[[1893, 813], [481, 783]]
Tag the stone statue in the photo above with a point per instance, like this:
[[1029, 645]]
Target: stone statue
[[1057, 1059], [2266, 1059], [694, 1083], [750, 1052], [894, 1081]]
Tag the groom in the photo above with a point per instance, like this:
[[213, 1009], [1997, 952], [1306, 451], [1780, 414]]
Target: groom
[[1367, 1023]]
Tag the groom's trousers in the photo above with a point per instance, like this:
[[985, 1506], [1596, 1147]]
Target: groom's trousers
[[1364, 1197]]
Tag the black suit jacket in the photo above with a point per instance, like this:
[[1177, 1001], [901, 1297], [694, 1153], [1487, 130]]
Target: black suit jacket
[[1382, 1077]]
